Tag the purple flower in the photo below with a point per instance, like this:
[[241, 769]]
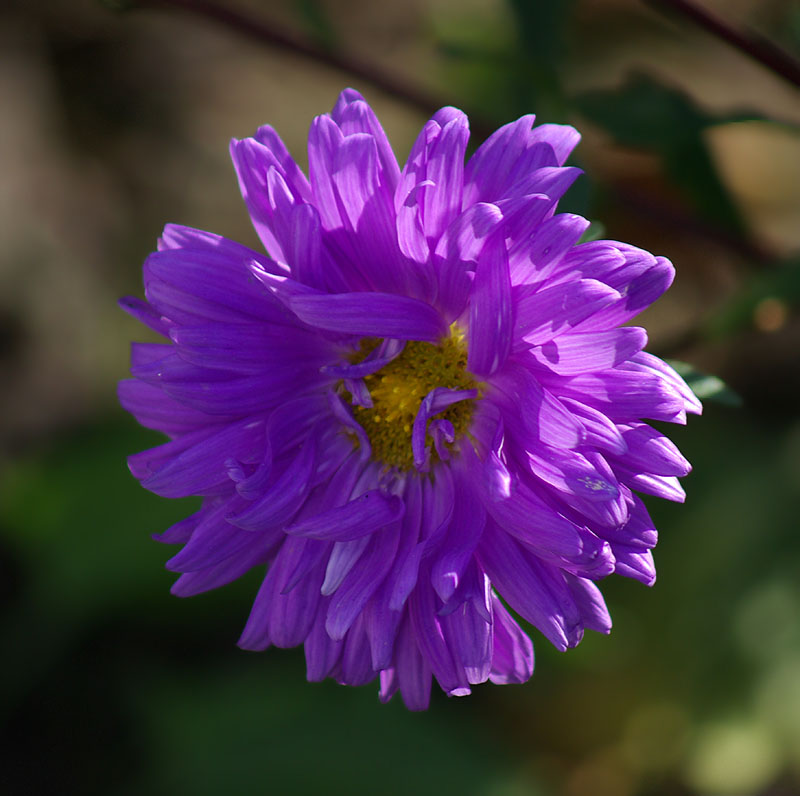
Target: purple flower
[[417, 409]]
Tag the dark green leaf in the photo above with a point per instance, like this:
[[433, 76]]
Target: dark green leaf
[[646, 114], [595, 231], [781, 284], [706, 386]]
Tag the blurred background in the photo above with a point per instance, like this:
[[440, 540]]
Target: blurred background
[[116, 119]]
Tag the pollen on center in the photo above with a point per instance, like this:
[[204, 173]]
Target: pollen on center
[[399, 388]]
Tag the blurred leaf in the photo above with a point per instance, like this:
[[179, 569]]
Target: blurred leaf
[[646, 114], [595, 231], [780, 285], [217, 730], [79, 525], [540, 27], [705, 386], [536, 80], [317, 22]]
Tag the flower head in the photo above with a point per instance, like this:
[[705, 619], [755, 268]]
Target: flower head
[[416, 409]]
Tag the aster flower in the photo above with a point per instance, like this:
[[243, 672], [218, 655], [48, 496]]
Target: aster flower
[[417, 410]]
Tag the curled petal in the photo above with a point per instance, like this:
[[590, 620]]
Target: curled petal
[[370, 315], [361, 516]]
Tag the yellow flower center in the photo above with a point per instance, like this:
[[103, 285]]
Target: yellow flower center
[[399, 388]]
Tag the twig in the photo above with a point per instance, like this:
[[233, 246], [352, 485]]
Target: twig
[[749, 42], [269, 33]]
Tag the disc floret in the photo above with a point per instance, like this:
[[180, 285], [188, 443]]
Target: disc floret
[[398, 389]]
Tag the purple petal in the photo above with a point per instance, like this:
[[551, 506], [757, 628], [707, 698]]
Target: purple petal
[[438, 503], [283, 619], [623, 394], [636, 564], [322, 652], [458, 545], [469, 637], [529, 588], [371, 315], [541, 316], [413, 670], [486, 175], [522, 216], [355, 667], [324, 140], [153, 408], [552, 181], [561, 137], [410, 233], [226, 571], [381, 623], [663, 486], [403, 578], [281, 501], [291, 172], [354, 115], [512, 650], [314, 554], [574, 353], [541, 413], [383, 613], [490, 317], [253, 163], [289, 424], [466, 237], [311, 262], [215, 540], [176, 236], [535, 524], [648, 362], [368, 237], [181, 531], [445, 168], [650, 451], [437, 400], [364, 515], [457, 254], [639, 278], [343, 557], [599, 431], [389, 684], [473, 588], [423, 608], [145, 314], [443, 433], [192, 287], [362, 581], [249, 348], [199, 469], [639, 532], [589, 486], [377, 359], [590, 602], [545, 249], [216, 393]]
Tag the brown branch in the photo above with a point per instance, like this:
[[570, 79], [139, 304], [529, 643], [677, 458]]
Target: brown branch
[[748, 42], [270, 34]]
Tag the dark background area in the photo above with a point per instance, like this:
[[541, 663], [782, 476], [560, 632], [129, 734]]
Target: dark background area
[[115, 119]]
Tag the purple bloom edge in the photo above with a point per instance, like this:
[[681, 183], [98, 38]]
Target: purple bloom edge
[[417, 410]]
